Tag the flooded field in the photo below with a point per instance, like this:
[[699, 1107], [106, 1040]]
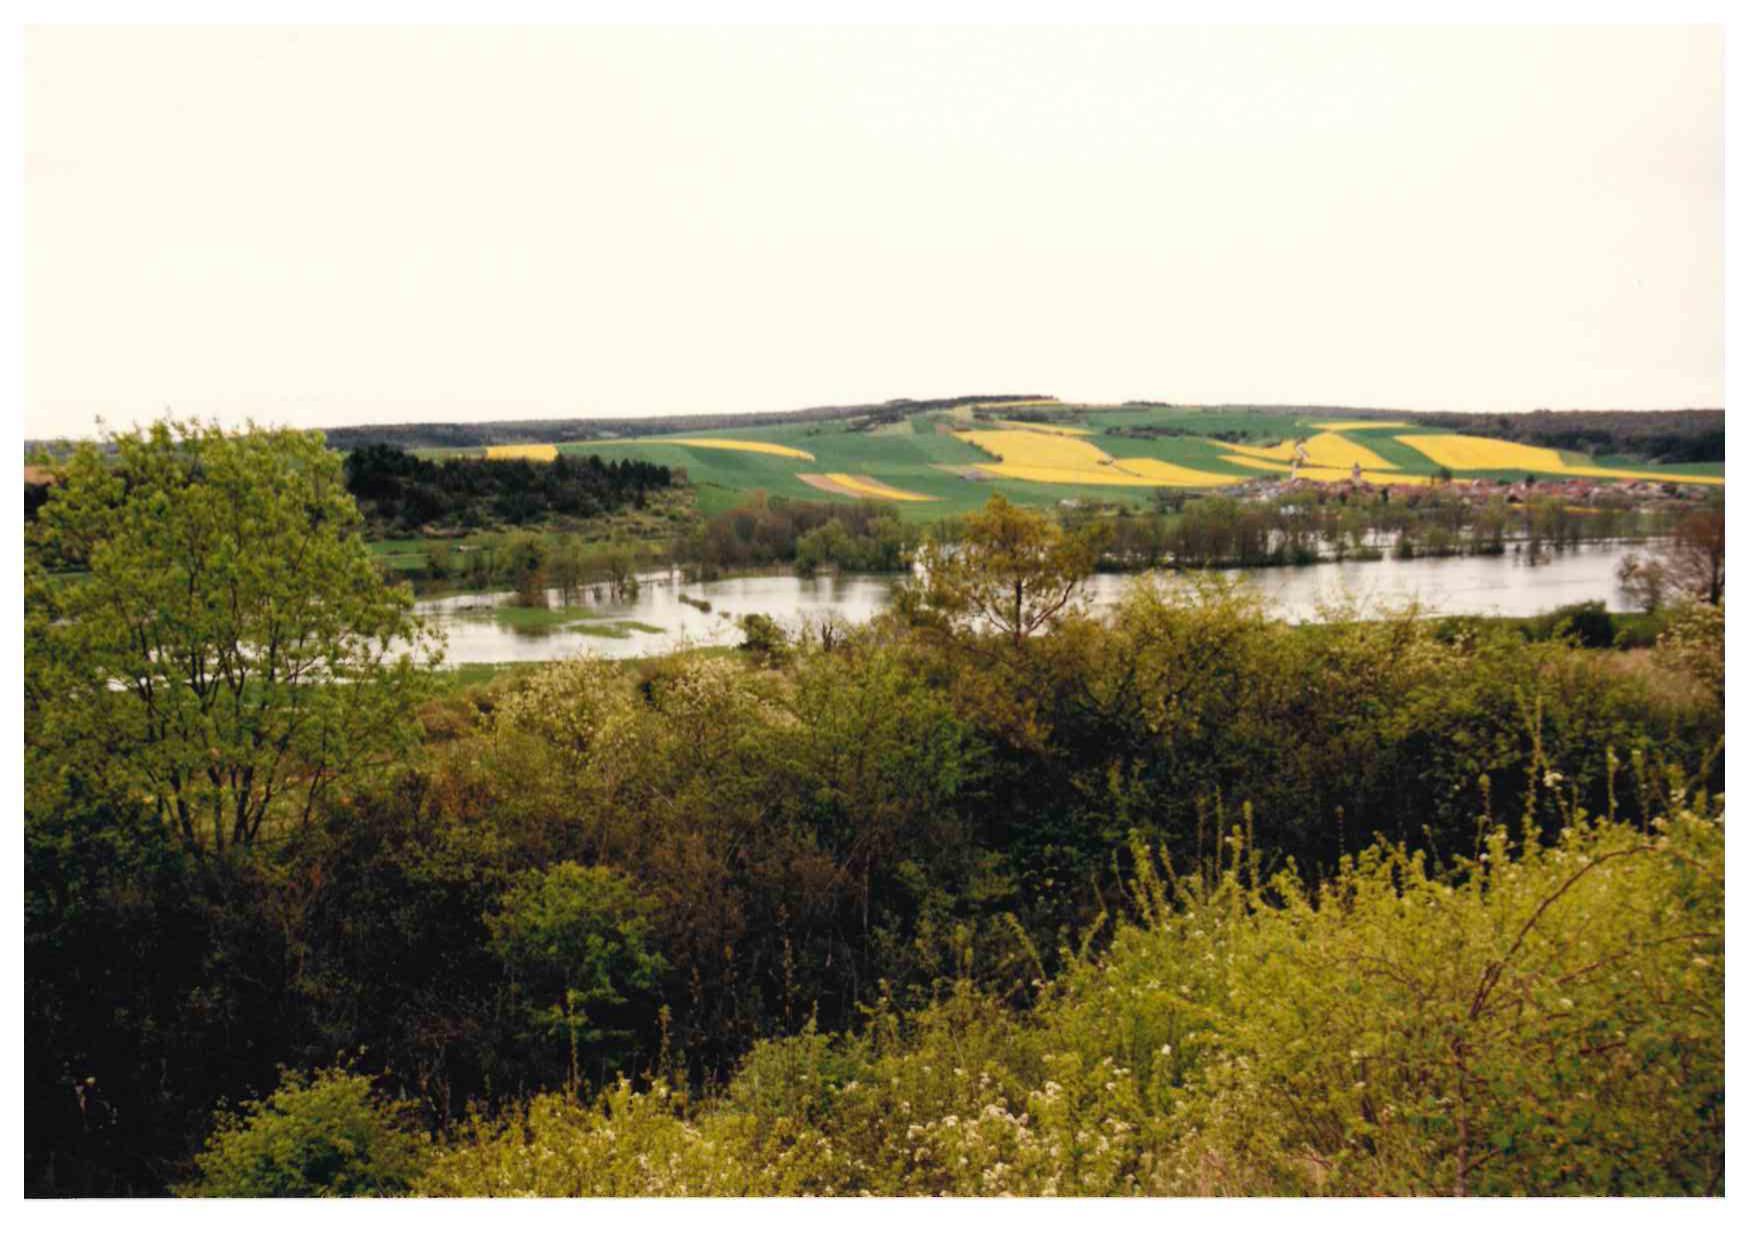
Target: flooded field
[[669, 612]]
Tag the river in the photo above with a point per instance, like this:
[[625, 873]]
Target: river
[[1474, 585]]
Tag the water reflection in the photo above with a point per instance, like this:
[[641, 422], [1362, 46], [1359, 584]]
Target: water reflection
[[1501, 585]]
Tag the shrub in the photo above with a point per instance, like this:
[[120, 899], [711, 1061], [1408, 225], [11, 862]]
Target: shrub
[[1693, 644], [764, 638], [312, 1137], [1588, 624], [1539, 1020]]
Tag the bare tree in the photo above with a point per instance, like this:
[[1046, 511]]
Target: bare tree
[[1696, 556], [1689, 566]]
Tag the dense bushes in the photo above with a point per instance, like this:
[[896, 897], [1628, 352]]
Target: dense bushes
[[859, 537], [907, 806], [1541, 1020], [325, 1137]]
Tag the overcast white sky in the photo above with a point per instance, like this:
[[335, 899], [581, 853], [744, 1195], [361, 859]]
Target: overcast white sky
[[346, 225]]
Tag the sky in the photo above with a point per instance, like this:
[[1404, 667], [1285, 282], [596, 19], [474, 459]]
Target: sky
[[333, 226]]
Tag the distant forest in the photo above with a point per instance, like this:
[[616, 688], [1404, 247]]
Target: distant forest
[[396, 490], [1669, 436], [567, 430]]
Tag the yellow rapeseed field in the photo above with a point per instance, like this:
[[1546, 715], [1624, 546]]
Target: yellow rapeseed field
[[1065, 475], [874, 488], [1475, 452], [742, 445], [1327, 449], [525, 451], [1031, 456], [1029, 449]]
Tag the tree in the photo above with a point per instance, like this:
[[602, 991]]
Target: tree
[[764, 638], [528, 563], [230, 652], [1644, 580], [572, 936], [1011, 570], [1696, 556], [325, 1137], [1689, 566]]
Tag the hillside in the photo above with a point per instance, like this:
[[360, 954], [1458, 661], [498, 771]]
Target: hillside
[[551, 430], [941, 458]]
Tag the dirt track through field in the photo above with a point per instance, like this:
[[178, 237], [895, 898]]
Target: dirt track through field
[[860, 486], [826, 484]]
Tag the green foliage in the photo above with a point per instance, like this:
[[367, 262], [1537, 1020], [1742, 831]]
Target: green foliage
[[1009, 569], [1587, 624], [764, 638], [401, 491], [575, 940], [885, 547], [1542, 1019], [1511, 1026], [324, 1136], [855, 537], [229, 652]]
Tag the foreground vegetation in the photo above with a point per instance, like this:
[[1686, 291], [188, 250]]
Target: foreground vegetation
[[989, 895], [1540, 1020]]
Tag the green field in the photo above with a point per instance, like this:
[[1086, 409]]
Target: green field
[[1698, 469], [908, 462], [920, 457], [547, 619]]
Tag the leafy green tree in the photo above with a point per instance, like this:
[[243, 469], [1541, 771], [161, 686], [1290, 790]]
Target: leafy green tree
[[764, 638], [1011, 570], [313, 1137], [884, 761], [529, 560], [829, 544], [228, 651], [573, 937]]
